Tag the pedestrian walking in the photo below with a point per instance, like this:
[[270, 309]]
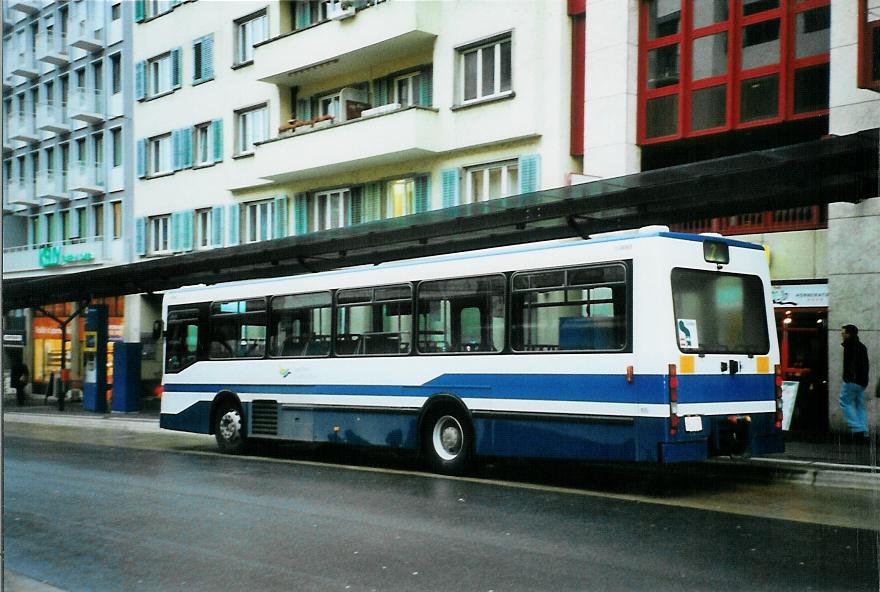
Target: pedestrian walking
[[855, 381], [18, 379]]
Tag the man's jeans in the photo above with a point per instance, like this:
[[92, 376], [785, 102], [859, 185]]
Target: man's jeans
[[852, 401]]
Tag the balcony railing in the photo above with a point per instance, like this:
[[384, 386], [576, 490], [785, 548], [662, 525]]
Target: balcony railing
[[88, 178], [22, 193], [52, 48], [51, 186], [24, 63], [85, 36], [52, 117], [23, 128], [87, 105]]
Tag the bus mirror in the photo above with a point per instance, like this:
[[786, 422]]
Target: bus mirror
[[157, 329]]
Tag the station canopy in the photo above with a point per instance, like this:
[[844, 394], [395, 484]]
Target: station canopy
[[833, 169]]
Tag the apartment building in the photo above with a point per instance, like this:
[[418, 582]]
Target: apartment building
[[67, 169]]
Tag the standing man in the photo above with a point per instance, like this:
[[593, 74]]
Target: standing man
[[855, 381], [18, 379]]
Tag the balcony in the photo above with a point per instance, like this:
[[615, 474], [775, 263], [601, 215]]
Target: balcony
[[87, 105], [25, 64], [58, 256], [8, 17], [22, 194], [344, 147], [387, 32], [88, 178], [51, 117], [84, 36], [52, 49], [23, 128], [28, 7], [51, 187]]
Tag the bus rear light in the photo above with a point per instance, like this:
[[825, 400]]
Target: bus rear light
[[673, 400], [159, 390], [778, 372], [629, 374]]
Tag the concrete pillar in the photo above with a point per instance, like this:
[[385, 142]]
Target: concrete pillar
[[75, 346]]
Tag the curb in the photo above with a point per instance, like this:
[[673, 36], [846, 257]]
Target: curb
[[130, 424]]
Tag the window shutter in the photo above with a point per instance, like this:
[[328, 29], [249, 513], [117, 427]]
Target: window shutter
[[140, 234], [280, 227], [142, 158], [186, 243], [177, 149], [356, 207], [426, 87], [217, 226], [175, 231], [186, 147], [139, 11], [529, 173], [303, 109], [449, 187], [380, 92], [208, 57], [175, 67], [197, 69], [372, 202], [217, 133], [234, 225], [422, 193], [140, 82], [300, 214]]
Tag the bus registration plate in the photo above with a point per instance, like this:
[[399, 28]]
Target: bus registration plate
[[693, 423]]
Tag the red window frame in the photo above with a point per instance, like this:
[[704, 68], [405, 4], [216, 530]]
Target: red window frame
[[734, 76], [800, 218], [867, 29]]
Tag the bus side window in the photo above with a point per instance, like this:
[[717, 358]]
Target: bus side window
[[461, 315], [374, 321], [182, 340], [238, 329], [300, 325]]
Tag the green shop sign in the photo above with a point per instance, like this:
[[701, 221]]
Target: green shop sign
[[53, 257]]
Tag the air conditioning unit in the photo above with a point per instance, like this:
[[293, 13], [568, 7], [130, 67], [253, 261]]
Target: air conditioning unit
[[352, 103], [340, 10]]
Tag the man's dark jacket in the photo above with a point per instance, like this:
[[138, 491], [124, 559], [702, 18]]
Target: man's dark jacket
[[855, 362]]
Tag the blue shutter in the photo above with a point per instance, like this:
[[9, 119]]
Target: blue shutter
[[175, 67], [142, 158], [280, 227], [140, 80], [372, 202], [186, 240], [208, 57], [449, 187], [217, 226], [217, 136], [529, 173], [139, 11], [380, 92], [175, 231], [175, 150], [186, 147], [300, 214], [426, 87], [422, 193], [303, 109], [140, 234], [234, 225]]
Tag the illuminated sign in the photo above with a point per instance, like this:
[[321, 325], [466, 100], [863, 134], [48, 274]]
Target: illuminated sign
[[53, 257]]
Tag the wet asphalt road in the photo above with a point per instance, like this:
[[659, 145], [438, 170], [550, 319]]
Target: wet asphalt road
[[102, 517]]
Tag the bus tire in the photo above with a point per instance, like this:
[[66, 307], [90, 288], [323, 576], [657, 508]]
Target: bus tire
[[229, 429], [447, 440]]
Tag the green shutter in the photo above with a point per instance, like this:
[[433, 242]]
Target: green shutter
[[175, 231], [356, 207], [301, 214], [279, 229], [140, 234], [303, 15], [234, 225], [139, 11], [186, 147], [422, 194], [449, 187], [217, 136], [529, 173], [140, 82], [175, 67], [380, 92], [372, 206], [426, 87], [217, 226], [186, 240], [176, 153], [142, 158]]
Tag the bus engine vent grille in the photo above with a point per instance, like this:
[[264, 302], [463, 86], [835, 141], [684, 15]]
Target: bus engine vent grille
[[264, 418]]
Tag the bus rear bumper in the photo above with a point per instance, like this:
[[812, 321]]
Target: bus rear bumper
[[196, 419]]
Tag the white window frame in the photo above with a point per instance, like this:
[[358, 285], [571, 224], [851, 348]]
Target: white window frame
[[248, 131], [250, 30], [253, 214], [479, 176], [409, 197], [156, 7], [495, 46], [203, 226], [412, 97], [329, 105], [321, 212], [203, 145], [160, 234], [159, 75], [159, 155]]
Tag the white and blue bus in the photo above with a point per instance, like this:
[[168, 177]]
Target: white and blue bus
[[642, 345]]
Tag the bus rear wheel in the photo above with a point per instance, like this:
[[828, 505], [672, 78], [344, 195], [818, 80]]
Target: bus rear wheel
[[229, 429], [447, 441]]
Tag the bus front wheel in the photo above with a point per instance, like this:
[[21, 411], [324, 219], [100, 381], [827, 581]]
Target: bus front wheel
[[447, 440], [229, 429]]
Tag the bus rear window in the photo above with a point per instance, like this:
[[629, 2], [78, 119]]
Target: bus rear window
[[719, 313]]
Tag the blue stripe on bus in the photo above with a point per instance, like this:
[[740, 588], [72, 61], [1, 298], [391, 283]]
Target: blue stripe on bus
[[602, 388]]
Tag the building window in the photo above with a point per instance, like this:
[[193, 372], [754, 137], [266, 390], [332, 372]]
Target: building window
[[203, 58], [717, 70], [407, 88], [117, 219], [203, 229], [35, 231], [329, 209], [869, 44], [116, 73], [159, 155], [116, 139], [116, 12], [98, 215], [486, 70], [485, 182], [159, 75], [156, 7], [249, 31], [50, 228], [81, 224], [252, 125], [400, 198], [256, 221], [203, 145], [65, 226], [159, 229]]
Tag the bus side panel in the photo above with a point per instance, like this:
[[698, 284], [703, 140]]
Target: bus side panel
[[196, 418]]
